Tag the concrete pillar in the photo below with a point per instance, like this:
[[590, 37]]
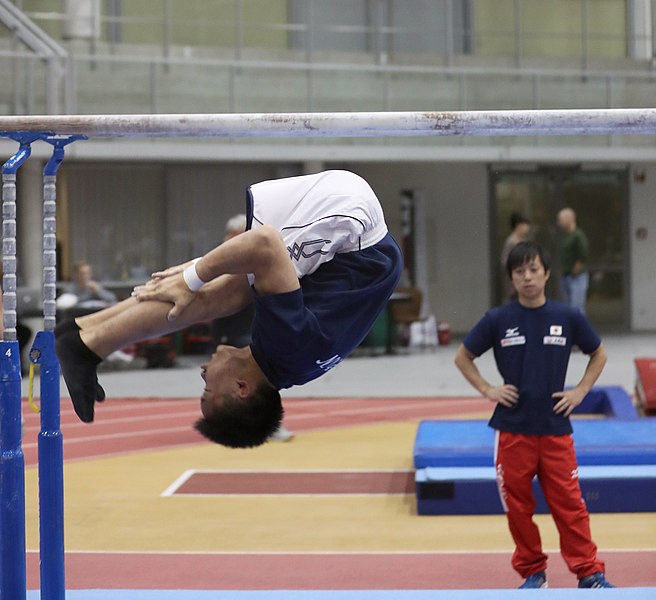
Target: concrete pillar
[[639, 29]]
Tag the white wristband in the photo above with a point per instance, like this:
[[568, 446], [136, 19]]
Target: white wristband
[[194, 283]]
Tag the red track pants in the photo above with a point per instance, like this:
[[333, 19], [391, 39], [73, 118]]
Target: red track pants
[[552, 458]]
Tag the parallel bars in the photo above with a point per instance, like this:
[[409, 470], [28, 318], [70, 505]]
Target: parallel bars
[[61, 130]]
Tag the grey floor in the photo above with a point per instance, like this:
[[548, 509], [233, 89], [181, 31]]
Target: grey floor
[[429, 372]]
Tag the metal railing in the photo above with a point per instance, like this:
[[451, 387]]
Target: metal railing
[[46, 49]]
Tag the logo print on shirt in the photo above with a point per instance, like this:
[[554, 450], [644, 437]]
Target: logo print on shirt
[[555, 337], [326, 365], [513, 338], [307, 249]]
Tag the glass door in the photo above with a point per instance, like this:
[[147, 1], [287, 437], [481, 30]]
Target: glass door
[[599, 198]]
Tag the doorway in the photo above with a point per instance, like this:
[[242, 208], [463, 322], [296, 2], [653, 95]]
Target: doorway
[[600, 200]]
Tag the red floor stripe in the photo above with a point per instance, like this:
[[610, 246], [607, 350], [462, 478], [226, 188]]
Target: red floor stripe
[[300, 482], [357, 571], [156, 423]]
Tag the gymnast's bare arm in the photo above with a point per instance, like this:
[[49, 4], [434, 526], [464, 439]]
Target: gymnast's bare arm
[[261, 252]]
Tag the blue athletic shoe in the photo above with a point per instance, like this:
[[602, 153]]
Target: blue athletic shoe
[[535, 581], [596, 580]]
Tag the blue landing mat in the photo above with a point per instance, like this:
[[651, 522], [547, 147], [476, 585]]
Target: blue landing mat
[[548, 594], [598, 442], [609, 400], [473, 490]]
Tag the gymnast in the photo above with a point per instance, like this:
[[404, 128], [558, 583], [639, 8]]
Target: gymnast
[[317, 262]]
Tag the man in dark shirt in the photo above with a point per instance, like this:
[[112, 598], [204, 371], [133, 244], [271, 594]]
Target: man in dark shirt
[[532, 338], [573, 261]]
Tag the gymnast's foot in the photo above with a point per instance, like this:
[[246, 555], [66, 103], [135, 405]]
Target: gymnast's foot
[[65, 327], [78, 365]]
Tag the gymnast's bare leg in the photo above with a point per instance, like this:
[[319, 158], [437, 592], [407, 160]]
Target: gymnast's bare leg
[[82, 345]]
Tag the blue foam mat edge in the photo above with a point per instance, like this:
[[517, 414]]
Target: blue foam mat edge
[[598, 441], [643, 593]]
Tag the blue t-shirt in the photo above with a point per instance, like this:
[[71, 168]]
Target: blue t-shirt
[[298, 336], [532, 347]]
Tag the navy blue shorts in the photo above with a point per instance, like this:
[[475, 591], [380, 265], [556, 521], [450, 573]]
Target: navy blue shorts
[[351, 290], [298, 336]]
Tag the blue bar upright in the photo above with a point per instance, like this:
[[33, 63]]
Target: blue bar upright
[[51, 453], [51, 471], [12, 477], [12, 461]]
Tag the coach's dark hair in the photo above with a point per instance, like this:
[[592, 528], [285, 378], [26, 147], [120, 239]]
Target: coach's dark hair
[[244, 423], [525, 252]]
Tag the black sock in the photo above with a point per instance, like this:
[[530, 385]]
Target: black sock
[[63, 327], [67, 326], [78, 365]]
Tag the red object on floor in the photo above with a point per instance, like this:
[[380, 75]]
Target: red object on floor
[[444, 333], [159, 352], [646, 384]]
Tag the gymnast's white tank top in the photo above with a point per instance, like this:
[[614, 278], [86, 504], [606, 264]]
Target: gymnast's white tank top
[[318, 215]]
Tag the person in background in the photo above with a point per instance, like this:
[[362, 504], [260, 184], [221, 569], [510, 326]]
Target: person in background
[[83, 295], [235, 330], [532, 338], [519, 230], [234, 226], [573, 260]]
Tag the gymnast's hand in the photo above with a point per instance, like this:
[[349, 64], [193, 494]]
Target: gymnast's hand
[[174, 270], [171, 288]]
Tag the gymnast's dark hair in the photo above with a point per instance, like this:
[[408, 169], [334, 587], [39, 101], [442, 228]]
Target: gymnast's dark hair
[[525, 252], [244, 423]]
